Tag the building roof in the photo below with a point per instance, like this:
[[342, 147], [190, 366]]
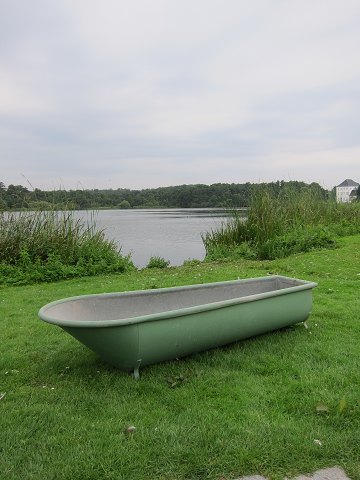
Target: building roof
[[348, 183]]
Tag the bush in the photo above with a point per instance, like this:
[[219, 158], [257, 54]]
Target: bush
[[300, 240], [158, 262]]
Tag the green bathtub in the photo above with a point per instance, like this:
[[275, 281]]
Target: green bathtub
[[133, 329]]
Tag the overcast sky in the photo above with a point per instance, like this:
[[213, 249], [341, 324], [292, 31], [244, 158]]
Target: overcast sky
[[149, 93]]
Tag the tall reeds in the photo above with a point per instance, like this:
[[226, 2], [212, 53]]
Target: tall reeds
[[46, 245], [282, 223]]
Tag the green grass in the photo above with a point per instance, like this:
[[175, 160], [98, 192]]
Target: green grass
[[279, 405]]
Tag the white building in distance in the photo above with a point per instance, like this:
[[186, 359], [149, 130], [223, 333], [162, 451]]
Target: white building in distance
[[346, 191]]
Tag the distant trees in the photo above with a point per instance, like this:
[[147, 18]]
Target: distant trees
[[124, 204], [15, 196], [221, 195], [2, 196]]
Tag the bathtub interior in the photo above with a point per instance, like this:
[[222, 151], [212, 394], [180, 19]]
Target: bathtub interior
[[127, 305]]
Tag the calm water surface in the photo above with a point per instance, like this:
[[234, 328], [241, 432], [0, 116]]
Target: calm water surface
[[170, 233]]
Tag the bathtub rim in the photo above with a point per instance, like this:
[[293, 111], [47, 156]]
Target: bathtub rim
[[178, 312]]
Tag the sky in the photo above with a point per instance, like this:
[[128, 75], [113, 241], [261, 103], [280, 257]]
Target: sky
[[148, 93]]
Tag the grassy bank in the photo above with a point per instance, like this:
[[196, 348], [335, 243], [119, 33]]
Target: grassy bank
[[278, 405]]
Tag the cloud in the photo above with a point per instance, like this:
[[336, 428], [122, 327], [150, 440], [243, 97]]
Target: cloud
[[137, 94]]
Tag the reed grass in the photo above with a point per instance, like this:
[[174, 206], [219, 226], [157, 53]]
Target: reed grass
[[279, 224], [49, 245]]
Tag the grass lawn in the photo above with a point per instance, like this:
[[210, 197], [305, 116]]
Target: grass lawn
[[280, 404]]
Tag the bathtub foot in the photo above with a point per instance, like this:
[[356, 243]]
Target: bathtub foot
[[136, 370]]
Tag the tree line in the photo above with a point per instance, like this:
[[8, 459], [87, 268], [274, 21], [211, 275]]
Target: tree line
[[218, 195]]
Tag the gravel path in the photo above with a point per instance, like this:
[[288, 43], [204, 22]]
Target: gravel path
[[333, 473]]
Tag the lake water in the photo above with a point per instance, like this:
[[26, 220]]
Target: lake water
[[173, 234]]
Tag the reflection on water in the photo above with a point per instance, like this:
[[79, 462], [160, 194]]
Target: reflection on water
[[190, 212], [174, 234]]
